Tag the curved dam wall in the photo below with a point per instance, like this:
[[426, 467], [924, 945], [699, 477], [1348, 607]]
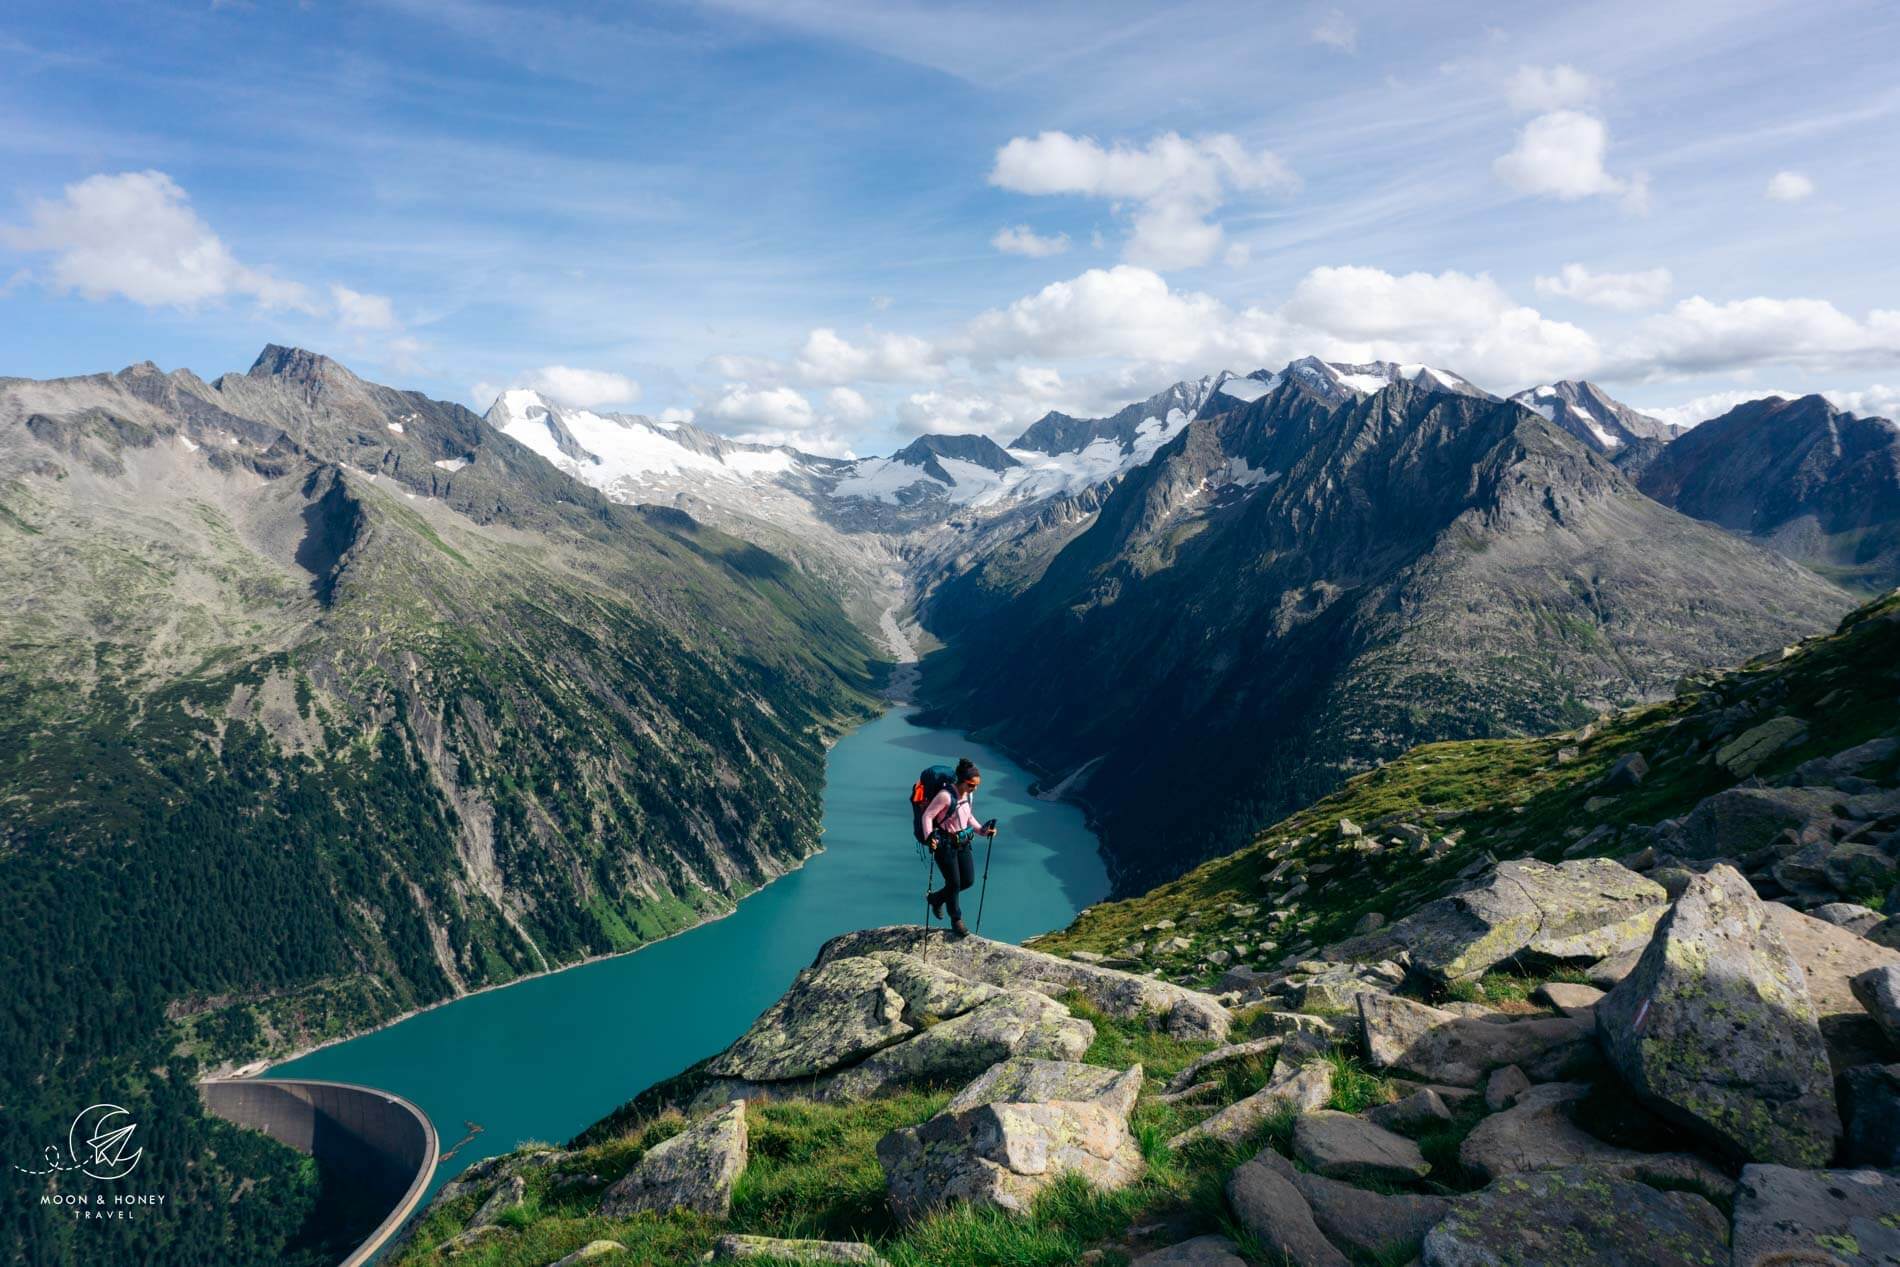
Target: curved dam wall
[[382, 1140]]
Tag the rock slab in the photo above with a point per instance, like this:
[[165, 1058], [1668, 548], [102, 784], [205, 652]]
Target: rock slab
[[1341, 1146], [1789, 1216], [694, 1170], [1715, 1029], [1272, 1209], [1579, 1218]]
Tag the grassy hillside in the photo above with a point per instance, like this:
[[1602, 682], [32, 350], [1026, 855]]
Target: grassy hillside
[[288, 748], [1506, 798]]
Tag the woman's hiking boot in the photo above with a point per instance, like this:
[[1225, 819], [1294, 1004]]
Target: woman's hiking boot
[[957, 930]]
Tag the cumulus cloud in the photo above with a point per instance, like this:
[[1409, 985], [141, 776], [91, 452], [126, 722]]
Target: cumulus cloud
[[1627, 292], [828, 357], [1336, 30], [780, 408], [675, 413], [1789, 187], [135, 235], [1174, 183], [1701, 336], [1560, 155], [1463, 322], [583, 389], [1876, 400], [358, 311], [847, 406], [1020, 239], [1536, 89], [1712, 405]]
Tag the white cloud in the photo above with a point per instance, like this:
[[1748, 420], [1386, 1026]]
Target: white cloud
[[1560, 155], [1176, 183], [358, 311], [1336, 30], [482, 395], [584, 389], [675, 413], [956, 412], [1020, 239], [135, 235], [1700, 336], [1536, 89], [1462, 322], [762, 407], [1789, 187], [828, 357], [847, 406], [1237, 256], [1626, 292], [1876, 400], [1711, 405]]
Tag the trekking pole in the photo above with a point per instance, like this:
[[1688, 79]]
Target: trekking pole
[[924, 936], [984, 895]]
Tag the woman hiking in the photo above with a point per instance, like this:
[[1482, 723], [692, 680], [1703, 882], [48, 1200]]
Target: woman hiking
[[951, 824]]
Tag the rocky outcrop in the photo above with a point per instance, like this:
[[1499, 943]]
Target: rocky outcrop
[[694, 1170], [988, 1148], [857, 1026], [1737, 822], [1788, 1216], [1580, 1218], [1715, 1028], [1442, 1046], [1366, 1225], [1185, 1013], [1878, 990], [1582, 910], [1538, 1133]]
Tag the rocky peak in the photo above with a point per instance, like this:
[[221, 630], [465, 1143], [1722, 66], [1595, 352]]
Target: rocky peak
[[977, 449]]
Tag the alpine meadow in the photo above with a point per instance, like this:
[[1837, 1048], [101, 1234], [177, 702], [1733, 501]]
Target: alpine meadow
[[949, 634]]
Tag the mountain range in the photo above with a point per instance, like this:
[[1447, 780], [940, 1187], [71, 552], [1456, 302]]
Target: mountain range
[[1301, 585], [321, 701]]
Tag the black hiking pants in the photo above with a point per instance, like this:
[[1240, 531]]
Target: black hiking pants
[[958, 864]]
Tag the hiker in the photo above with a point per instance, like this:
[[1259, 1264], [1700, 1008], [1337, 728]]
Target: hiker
[[951, 825]]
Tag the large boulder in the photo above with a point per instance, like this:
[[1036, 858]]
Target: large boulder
[[694, 1170], [1786, 1217], [1715, 1028], [858, 1026], [1830, 959], [1744, 754], [1441, 1046], [1009, 1023], [1741, 820], [1277, 1216], [1878, 990], [1581, 910], [985, 1148], [1539, 1133], [1185, 1013], [1579, 1218], [1297, 1086], [841, 1011]]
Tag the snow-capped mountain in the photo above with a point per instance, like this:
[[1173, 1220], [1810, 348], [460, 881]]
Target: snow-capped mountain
[[1588, 413], [1336, 382]]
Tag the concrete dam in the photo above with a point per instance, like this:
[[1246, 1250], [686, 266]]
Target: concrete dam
[[383, 1142]]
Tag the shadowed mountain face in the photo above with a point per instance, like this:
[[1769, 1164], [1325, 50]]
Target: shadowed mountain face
[[1298, 588], [1799, 476], [321, 701]]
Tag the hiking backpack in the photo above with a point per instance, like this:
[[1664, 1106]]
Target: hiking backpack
[[933, 780]]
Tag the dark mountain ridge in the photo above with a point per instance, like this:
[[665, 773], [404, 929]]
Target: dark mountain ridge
[[1800, 476], [1300, 587]]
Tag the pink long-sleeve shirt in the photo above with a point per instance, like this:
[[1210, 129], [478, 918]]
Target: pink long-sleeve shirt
[[944, 815]]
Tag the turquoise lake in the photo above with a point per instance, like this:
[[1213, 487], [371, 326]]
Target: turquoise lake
[[544, 1058]]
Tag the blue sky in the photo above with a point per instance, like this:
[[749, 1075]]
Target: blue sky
[[840, 223]]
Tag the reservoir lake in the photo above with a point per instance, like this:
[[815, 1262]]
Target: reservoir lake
[[547, 1057]]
